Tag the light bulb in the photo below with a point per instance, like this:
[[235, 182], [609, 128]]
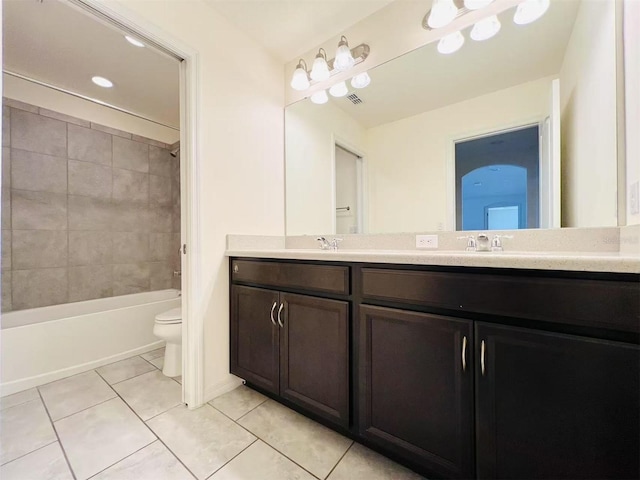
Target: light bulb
[[476, 4], [320, 70], [102, 82], [300, 79], [485, 28], [344, 60], [361, 80], [320, 97], [451, 43], [339, 90], [530, 10], [442, 13]]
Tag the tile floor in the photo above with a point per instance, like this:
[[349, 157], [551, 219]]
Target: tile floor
[[125, 421]]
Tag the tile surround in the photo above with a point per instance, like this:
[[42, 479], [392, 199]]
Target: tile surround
[[103, 199]]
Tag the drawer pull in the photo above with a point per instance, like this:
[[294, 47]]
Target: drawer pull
[[273, 307], [482, 352], [279, 312], [464, 353]]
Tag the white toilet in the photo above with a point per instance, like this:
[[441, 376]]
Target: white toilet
[[168, 327]]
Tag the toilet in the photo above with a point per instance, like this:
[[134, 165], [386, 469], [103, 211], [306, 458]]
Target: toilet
[[168, 327]]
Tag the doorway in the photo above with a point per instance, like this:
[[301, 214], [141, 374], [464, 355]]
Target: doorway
[[497, 180], [348, 191]]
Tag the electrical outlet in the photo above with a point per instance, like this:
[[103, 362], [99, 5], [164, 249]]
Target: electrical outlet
[[426, 241], [634, 199]]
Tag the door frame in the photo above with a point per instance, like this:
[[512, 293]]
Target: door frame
[[362, 187], [192, 318], [450, 166]]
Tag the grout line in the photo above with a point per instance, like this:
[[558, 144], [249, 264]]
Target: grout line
[[338, 462], [122, 459], [245, 414], [87, 408], [29, 453], [231, 459], [64, 452], [131, 378]]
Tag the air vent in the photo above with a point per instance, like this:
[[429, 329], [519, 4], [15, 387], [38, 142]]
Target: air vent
[[355, 99]]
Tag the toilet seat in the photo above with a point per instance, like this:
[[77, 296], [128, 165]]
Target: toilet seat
[[170, 316]]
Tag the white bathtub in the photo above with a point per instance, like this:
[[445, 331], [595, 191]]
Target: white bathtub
[[41, 345]]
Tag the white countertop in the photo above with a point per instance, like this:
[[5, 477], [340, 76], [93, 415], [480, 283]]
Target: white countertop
[[568, 261]]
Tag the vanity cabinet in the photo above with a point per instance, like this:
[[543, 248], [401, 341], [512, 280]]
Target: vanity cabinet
[[292, 345]]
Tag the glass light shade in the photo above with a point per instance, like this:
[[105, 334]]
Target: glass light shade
[[476, 4], [451, 43], [485, 28], [300, 79], [344, 60], [102, 82], [339, 90], [320, 97], [361, 80], [442, 13], [530, 10], [320, 70]]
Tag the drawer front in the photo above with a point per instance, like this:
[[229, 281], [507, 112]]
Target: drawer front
[[321, 278], [591, 303]]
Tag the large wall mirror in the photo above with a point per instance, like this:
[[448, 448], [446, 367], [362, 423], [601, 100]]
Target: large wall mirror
[[517, 131]]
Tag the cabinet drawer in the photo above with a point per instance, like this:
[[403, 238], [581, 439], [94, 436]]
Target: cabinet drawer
[[321, 278], [591, 303]]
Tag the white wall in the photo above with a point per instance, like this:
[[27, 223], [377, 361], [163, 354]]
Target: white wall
[[588, 120], [407, 159], [38, 95], [311, 133], [632, 98], [240, 148]]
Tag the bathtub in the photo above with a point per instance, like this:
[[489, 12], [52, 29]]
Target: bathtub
[[40, 345]]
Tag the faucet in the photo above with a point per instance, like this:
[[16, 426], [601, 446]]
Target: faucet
[[471, 243], [496, 242], [329, 245], [483, 243]]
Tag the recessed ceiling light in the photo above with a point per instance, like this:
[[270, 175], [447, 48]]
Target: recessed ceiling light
[[134, 41], [102, 82]]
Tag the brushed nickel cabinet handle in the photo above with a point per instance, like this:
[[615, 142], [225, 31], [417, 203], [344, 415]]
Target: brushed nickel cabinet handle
[[279, 312], [273, 307], [482, 352], [464, 353]]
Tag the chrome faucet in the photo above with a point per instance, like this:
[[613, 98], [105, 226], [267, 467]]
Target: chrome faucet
[[496, 242], [329, 245], [483, 243], [472, 245]]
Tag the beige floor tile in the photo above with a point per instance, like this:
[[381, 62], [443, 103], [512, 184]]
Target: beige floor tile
[[153, 462], [361, 463], [158, 352], [309, 444], [23, 429], [150, 394], [100, 436], [124, 369], [19, 398], [178, 379], [238, 402], [47, 463], [70, 395], [158, 362], [261, 462], [203, 439]]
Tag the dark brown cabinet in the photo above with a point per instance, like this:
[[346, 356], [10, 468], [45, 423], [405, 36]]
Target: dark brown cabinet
[[416, 390], [555, 406], [295, 346]]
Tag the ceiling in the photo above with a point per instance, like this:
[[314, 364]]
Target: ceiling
[[39, 44], [288, 28], [425, 80]]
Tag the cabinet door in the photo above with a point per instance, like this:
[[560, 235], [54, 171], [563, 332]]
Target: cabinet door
[[416, 391], [556, 406], [314, 368], [254, 337]]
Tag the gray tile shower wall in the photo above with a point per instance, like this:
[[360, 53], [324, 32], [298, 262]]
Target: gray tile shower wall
[[88, 211]]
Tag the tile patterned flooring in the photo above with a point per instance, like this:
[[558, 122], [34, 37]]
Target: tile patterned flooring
[[125, 421]]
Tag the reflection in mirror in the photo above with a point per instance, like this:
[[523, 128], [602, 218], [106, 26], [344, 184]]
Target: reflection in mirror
[[554, 78]]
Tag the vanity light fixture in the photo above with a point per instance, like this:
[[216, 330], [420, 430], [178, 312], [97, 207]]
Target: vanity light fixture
[[530, 10], [451, 43], [102, 82], [361, 80], [344, 59], [443, 12], [485, 28], [339, 90], [300, 79], [320, 69], [320, 97], [134, 41]]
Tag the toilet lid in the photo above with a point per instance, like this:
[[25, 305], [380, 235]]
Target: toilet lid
[[170, 316]]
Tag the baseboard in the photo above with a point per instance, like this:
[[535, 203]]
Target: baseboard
[[35, 381], [213, 391]]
